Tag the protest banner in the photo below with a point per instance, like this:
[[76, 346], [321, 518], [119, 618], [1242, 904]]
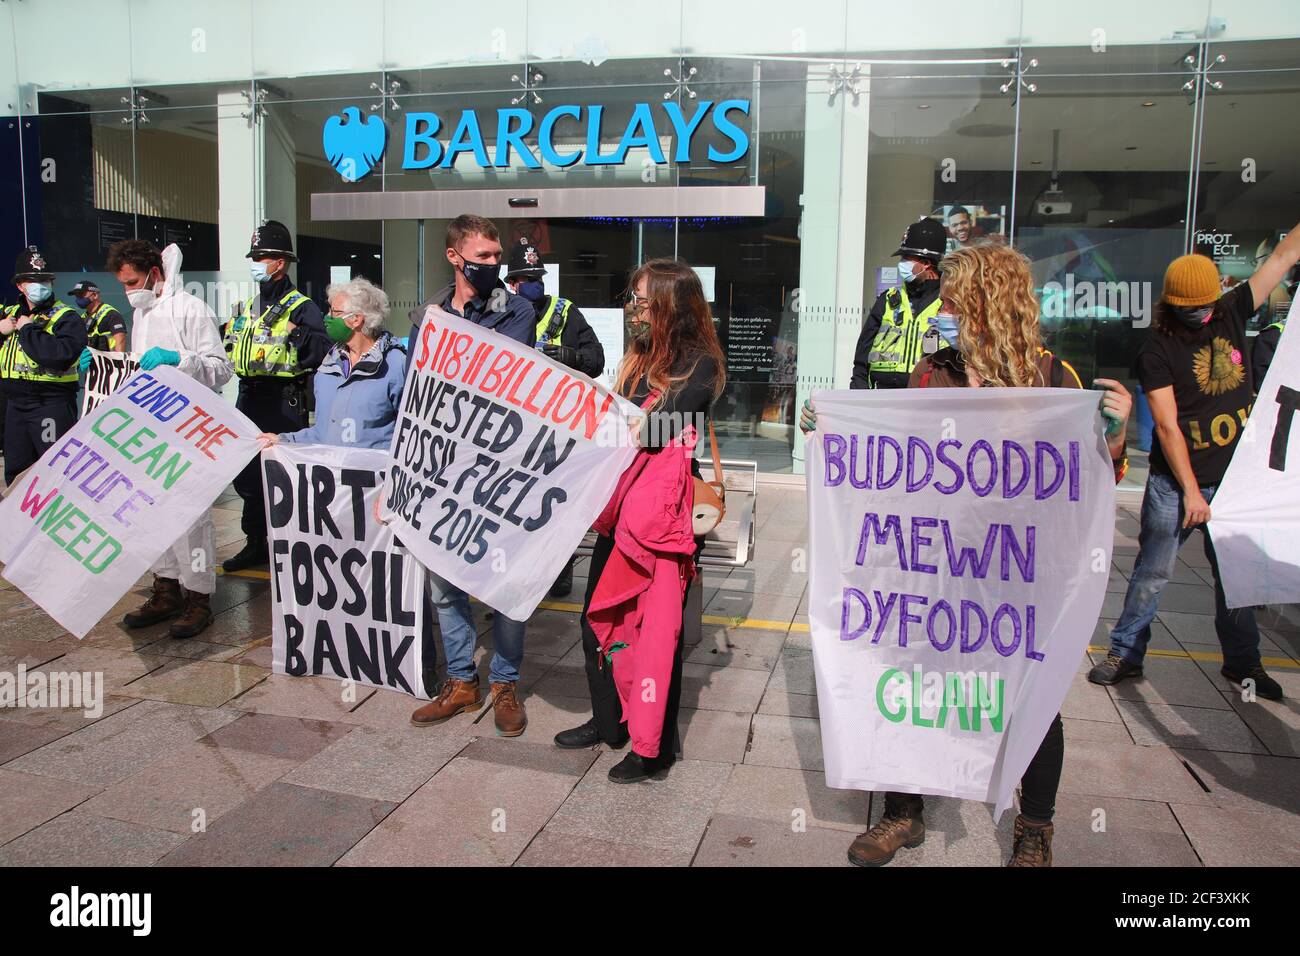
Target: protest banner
[[501, 460], [106, 372], [1255, 514], [116, 490], [349, 600], [959, 546]]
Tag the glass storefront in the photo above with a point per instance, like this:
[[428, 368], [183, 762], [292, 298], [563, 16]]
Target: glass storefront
[[1100, 141]]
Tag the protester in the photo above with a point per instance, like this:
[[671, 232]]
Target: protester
[[646, 552], [891, 341], [358, 386], [171, 327], [40, 342], [991, 326], [1193, 370], [478, 295], [563, 334]]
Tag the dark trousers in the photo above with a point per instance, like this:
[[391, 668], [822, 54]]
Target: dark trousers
[[606, 708], [32, 425], [273, 407], [1037, 787]]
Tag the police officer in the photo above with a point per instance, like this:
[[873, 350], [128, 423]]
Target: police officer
[[563, 333], [891, 342], [105, 327], [1265, 347], [275, 342], [40, 342]]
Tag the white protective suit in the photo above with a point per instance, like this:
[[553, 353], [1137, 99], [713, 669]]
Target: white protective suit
[[186, 325]]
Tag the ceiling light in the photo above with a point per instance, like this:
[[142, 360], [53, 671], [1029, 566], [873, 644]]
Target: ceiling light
[[1148, 102]]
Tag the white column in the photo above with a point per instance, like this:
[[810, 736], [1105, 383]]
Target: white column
[[832, 239]]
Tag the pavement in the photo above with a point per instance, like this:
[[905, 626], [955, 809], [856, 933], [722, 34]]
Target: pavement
[[202, 756]]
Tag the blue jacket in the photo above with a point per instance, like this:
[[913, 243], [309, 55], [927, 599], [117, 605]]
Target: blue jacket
[[357, 408]]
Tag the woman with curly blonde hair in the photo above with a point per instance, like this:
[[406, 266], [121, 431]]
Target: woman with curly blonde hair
[[989, 325]]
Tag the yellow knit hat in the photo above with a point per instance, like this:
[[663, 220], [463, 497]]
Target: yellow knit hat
[[1191, 280]]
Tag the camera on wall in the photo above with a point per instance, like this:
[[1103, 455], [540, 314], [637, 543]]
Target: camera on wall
[[1054, 203]]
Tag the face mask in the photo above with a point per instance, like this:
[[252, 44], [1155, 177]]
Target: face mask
[[532, 289], [1194, 317], [906, 270], [259, 271], [946, 325], [337, 329], [37, 292], [82, 301], [481, 275]]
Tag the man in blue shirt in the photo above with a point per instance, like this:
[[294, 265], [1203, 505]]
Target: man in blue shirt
[[479, 296]]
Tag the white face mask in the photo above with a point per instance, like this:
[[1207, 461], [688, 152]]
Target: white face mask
[[906, 270], [142, 298]]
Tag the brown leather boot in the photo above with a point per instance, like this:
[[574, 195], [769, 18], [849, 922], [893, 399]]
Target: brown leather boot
[[901, 826], [196, 616], [1032, 844], [507, 711], [165, 602], [454, 697]]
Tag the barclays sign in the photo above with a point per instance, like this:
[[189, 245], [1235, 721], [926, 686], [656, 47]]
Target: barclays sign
[[355, 146]]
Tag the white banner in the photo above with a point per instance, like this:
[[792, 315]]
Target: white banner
[[349, 599], [501, 460], [114, 492], [960, 543], [1255, 514], [107, 371]]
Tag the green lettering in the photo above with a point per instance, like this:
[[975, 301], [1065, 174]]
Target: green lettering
[[885, 678]]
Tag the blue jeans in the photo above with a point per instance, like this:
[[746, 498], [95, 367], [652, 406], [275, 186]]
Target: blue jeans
[[459, 636], [1158, 542]]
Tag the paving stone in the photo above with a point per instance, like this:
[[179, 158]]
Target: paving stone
[[197, 682], [1275, 722], [548, 714], [1096, 730], [199, 650], [1170, 681], [1088, 701], [17, 738], [112, 749], [283, 825], [782, 581], [15, 652], [288, 738], [737, 606], [1198, 728], [787, 796], [321, 698], [789, 705], [65, 719], [200, 776], [738, 647], [666, 814], [81, 840], [473, 812], [551, 849], [118, 667], [1240, 838], [778, 741], [1130, 771], [1136, 832], [744, 841], [1247, 781], [794, 673], [28, 800], [718, 735], [722, 688], [382, 765]]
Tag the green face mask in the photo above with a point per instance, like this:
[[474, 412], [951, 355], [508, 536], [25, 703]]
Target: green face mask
[[337, 329]]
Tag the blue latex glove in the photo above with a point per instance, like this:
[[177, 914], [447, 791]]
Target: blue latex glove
[[83, 362], [157, 356]]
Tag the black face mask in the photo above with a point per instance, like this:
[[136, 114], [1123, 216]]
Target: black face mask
[[1193, 317], [482, 276]]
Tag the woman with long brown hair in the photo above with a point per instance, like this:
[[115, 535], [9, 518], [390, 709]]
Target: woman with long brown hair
[[989, 324], [645, 554]]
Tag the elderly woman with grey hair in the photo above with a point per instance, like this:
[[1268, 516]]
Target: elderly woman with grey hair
[[359, 384]]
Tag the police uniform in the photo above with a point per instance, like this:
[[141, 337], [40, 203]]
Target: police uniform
[[897, 331], [1262, 352], [102, 323], [563, 332], [274, 365], [38, 368]]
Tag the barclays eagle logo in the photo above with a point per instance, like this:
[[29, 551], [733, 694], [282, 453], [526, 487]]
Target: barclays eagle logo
[[352, 146]]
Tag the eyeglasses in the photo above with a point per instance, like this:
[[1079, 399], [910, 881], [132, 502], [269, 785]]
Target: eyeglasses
[[637, 303], [334, 314]]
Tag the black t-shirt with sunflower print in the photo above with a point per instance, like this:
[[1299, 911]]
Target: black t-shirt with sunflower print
[[1209, 372]]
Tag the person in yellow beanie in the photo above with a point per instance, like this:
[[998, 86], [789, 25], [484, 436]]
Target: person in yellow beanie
[[1193, 368]]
